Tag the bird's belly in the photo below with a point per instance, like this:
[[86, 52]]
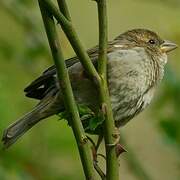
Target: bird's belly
[[125, 109], [129, 86]]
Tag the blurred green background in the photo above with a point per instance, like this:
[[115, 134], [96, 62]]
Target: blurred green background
[[49, 151]]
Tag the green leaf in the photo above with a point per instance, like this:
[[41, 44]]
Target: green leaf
[[92, 122], [95, 122], [63, 115], [84, 110]]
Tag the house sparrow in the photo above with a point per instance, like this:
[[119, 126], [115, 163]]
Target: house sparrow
[[136, 61]]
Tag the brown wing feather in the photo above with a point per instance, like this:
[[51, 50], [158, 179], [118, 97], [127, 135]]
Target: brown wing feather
[[43, 84]]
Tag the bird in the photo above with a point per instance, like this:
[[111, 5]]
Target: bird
[[135, 66]]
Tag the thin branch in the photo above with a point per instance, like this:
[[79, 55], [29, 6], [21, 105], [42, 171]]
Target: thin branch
[[64, 8], [112, 168], [112, 163], [99, 171], [69, 101], [74, 40], [102, 19]]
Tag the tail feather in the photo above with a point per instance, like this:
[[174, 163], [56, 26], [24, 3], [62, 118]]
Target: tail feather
[[47, 107], [17, 129]]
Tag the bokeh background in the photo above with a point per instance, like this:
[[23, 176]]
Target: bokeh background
[[49, 151]]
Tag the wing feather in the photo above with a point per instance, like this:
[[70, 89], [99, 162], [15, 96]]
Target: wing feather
[[43, 84]]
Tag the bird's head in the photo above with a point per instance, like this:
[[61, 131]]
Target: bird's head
[[147, 39]]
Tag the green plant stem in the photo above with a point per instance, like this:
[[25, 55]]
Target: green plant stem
[[74, 40], [100, 81], [69, 101], [102, 19], [64, 8], [112, 169]]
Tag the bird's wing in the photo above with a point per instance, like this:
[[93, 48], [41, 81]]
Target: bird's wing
[[43, 84]]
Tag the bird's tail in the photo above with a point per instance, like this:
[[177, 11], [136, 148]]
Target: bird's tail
[[21, 126]]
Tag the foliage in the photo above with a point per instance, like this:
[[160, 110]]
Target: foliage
[[20, 57], [92, 123]]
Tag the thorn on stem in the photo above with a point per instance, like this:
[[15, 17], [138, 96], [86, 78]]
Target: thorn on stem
[[119, 149]]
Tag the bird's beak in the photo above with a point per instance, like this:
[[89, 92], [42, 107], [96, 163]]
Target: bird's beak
[[168, 46]]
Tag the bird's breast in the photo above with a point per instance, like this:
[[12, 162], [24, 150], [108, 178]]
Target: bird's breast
[[131, 79]]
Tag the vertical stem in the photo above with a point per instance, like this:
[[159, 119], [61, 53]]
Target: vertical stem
[[73, 39], [64, 8], [103, 39], [112, 162], [112, 168], [65, 85]]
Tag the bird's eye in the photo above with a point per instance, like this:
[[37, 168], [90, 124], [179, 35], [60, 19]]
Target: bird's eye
[[151, 41]]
